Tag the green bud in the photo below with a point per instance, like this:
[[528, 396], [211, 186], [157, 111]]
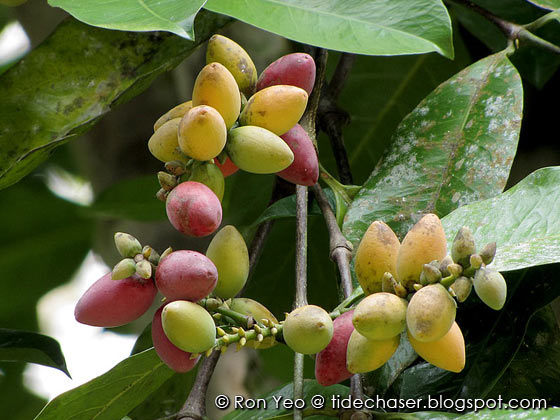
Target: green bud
[[455, 269], [488, 252], [161, 195], [167, 181], [399, 289], [444, 264], [387, 283], [491, 287], [475, 261], [431, 273], [213, 304], [127, 245], [462, 288], [175, 167], [124, 268], [463, 246], [165, 253], [417, 286], [144, 269]]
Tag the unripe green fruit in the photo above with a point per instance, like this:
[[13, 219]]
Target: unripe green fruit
[[380, 316], [430, 313], [308, 329], [463, 246], [188, 326], [364, 355], [164, 144], [257, 150], [259, 312], [202, 133], [229, 254], [211, 176], [491, 287], [176, 112]]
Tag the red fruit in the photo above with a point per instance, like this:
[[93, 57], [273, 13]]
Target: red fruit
[[194, 209], [112, 303], [304, 170], [330, 363], [297, 69], [228, 167], [186, 275], [177, 359]]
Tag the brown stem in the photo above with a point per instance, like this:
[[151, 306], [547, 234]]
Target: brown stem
[[341, 72], [308, 121]]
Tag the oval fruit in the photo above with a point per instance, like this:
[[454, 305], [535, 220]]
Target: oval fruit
[[202, 133], [210, 175], [304, 170], [228, 167], [276, 108], [430, 313], [376, 255], [364, 355], [491, 287], [164, 143], [176, 112], [380, 316], [308, 329], [259, 312], [297, 69]]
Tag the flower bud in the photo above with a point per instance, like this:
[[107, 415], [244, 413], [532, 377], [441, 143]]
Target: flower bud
[[463, 246], [167, 181], [127, 245], [124, 268], [462, 288], [488, 252], [144, 269], [431, 273]]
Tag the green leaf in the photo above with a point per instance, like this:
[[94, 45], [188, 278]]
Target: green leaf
[[523, 221], [112, 395], [456, 147], [41, 110], [546, 4], [548, 414], [144, 341], [384, 27], [136, 15], [30, 347]]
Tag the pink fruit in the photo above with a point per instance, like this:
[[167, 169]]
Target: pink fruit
[[177, 359], [330, 363], [112, 303], [186, 275], [228, 167], [194, 209], [297, 69], [304, 170]]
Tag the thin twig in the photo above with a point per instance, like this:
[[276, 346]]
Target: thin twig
[[309, 119]]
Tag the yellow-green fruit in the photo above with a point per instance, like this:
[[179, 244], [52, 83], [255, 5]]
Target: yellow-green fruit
[[308, 329], [234, 58], [189, 326], [176, 112], [364, 355], [380, 316], [216, 87], [422, 244], [491, 287], [376, 255], [259, 312], [430, 313], [164, 144], [446, 353], [257, 150], [229, 254], [211, 176], [276, 108], [202, 133]]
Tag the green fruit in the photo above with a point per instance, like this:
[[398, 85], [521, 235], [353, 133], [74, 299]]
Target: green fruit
[[463, 246], [259, 312], [257, 150], [491, 287], [380, 316], [308, 329], [364, 355], [229, 254], [430, 313], [188, 326], [211, 176]]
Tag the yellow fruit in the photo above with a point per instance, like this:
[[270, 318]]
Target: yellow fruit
[[308, 329], [380, 316], [229, 254], [234, 58], [446, 353], [422, 244], [364, 355], [430, 313], [257, 150], [177, 112], [164, 144], [259, 312], [211, 176], [376, 254], [202, 133], [216, 87], [276, 108]]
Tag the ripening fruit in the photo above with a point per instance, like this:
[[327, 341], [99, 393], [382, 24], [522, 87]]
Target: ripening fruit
[[277, 108], [297, 69], [376, 255], [229, 253], [364, 355], [259, 312], [380, 316], [210, 175], [304, 170], [202, 133], [193, 209], [164, 144], [234, 58], [112, 303], [188, 326], [175, 112], [424, 243], [216, 87], [430, 313], [308, 329], [186, 275], [228, 167], [177, 359], [257, 150], [446, 353], [491, 287], [330, 363]]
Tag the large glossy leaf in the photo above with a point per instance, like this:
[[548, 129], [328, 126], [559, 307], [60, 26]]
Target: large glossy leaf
[[383, 27], [524, 222], [456, 147], [546, 4], [75, 77], [112, 395], [136, 15]]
